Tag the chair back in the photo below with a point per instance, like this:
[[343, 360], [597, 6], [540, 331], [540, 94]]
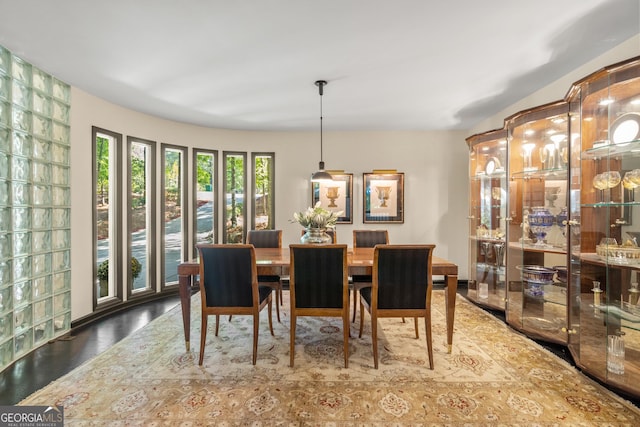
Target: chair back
[[265, 238], [402, 276], [228, 275], [318, 276], [369, 238]]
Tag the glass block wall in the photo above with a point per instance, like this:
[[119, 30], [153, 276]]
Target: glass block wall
[[35, 210]]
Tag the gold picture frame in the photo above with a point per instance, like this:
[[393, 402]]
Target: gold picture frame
[[383, 197], [336, 195]]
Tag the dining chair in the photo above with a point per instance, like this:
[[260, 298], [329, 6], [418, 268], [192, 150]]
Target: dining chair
[[365, 239], [268, 239], [229, 285], [319, 286], [401, 287], [330, 231]]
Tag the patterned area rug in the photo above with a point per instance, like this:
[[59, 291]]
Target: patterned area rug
[[494, 376]]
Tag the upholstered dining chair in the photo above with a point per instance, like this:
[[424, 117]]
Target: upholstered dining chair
[[319, 286], [365, 239], [268, 239], [401, 287], [330, 231], [229, 285]]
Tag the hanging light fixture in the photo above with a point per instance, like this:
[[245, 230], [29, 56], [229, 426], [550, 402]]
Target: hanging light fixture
[[321, 175]]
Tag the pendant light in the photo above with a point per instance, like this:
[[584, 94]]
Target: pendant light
[[321, 175]]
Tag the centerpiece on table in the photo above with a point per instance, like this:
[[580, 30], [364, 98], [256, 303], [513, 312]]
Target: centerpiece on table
[[316, 220]]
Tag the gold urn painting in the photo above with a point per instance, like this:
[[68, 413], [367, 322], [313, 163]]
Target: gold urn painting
[[336, 195], [383, 196]]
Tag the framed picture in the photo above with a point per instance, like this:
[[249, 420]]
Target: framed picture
[[335, 196], [383, 197]]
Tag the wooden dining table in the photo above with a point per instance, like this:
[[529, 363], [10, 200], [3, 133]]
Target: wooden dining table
[[276, 261]]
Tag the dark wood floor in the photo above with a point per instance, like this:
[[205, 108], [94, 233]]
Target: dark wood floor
[[55, 359]]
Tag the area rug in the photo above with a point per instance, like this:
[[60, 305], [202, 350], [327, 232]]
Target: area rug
[[494, 376]]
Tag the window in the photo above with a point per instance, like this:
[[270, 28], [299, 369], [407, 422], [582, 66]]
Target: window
[[174, 211], [205, 189], [262, 204], [235, 211], [107, 147], [141, 219]]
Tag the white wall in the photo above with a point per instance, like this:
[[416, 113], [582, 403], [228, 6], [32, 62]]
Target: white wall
[[558, 89], [434, 163]]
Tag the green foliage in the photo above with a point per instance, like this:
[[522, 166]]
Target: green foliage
[[136, 267], [138, 176], [103, 269], [102, 168], [172, 171], [205, 172]]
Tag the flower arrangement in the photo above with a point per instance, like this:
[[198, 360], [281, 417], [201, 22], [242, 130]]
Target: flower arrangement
[[317, 217]]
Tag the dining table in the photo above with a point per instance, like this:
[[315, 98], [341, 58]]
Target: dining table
[[276, 261]]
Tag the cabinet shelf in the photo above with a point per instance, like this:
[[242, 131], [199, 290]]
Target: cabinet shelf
[[606, 151], [487, 239], [497, 174], [610, 204], [555, 173], [595, 259], [534, 248]]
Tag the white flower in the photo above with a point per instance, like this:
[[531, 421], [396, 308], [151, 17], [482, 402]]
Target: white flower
[[317, 217]]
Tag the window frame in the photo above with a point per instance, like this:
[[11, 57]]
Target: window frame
[[216, 205], [272, 190], [115, 259], [184, 214], [151, 242], [242, 154]]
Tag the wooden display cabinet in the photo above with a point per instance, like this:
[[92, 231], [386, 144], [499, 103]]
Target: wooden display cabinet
[[488, 191], [604, 305], [538, 265]]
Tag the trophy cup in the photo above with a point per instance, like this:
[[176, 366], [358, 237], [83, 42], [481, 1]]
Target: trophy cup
[[383, 195], [332, 195]]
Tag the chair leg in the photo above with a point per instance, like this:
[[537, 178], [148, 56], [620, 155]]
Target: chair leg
[[292, 339], [270, 316], [361, 319], [203, 337], [374, 338], [355, 301], [256, 329], [278, 302], [346, 332], [427, 325], [415, 322], [217, 323]]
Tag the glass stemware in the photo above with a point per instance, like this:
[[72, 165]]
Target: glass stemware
[[601, 182], [634, 176], [544, 155], [629, 184], [613, 178]]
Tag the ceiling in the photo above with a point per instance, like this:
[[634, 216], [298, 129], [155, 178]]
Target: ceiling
[[390, 65]]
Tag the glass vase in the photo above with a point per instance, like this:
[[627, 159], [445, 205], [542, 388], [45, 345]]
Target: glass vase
[[315, 235], [540, 221]]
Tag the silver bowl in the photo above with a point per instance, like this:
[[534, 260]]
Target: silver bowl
[[537, 273]]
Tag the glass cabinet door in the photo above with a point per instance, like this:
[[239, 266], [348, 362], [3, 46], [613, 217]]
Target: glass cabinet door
[[488, 192], [607, 297], [537, 271]]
